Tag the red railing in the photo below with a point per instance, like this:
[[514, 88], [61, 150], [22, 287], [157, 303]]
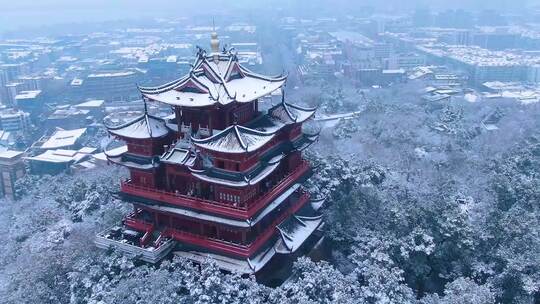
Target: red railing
[[213, 206], [232, 248], [145, 239], [181, 200]]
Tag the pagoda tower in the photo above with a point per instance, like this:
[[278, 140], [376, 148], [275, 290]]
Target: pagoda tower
[[220, 179]]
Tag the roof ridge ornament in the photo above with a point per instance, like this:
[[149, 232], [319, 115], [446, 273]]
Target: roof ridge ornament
[[146, 117], [239, 137], [145, 106], [214, 42], [200, 51]]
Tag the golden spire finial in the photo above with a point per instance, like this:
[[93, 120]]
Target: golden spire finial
[[214, 41]]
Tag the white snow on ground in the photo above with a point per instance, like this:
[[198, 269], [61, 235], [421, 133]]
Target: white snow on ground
[[470, 97], [420, 152]]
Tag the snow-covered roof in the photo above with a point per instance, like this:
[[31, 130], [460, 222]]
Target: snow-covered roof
[[304, 141], [91, 104], [219, 79], [10, 154], [243, 266], [179, 156], [235, 139], [295, 231], [142, 127], [281, 115], [131, 161], [288, 113], [116, 151], [28, 94], [63, 138], [62, 156]]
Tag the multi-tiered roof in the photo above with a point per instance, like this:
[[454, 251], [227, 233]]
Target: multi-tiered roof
[[219, 177], [216, 79]]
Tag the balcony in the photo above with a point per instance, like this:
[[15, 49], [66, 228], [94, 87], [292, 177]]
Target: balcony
[[152, 253], [230, 248], [223, 209]]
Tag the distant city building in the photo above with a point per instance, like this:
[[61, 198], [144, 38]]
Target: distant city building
[[11, 71], [446, 80], [30, 101], [57, 161], [67, 117], [95, 108], [10, 91], [379, 76], [533, 73], [495, 39], [31, 83], [13, 120], [483, 65], [110, 86], [63, 139], [383, 50], [7, 138], [405, 61], [11, 169]]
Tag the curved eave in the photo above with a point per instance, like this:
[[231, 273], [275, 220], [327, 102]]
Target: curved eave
[[116, 152], [119, 130], [166, 86], [249, 265], [311, 112], [139, 137], [292, 118], [305, 141], [247, 72], [247, 181], [302, 228], [205, 143], [132, 165], [219, 181], [276, 84], [198, 100], [317, 203]]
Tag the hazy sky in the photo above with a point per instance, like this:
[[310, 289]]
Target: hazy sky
[[17, 13]]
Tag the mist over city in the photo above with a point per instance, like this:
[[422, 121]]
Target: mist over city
[[270, 151]]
